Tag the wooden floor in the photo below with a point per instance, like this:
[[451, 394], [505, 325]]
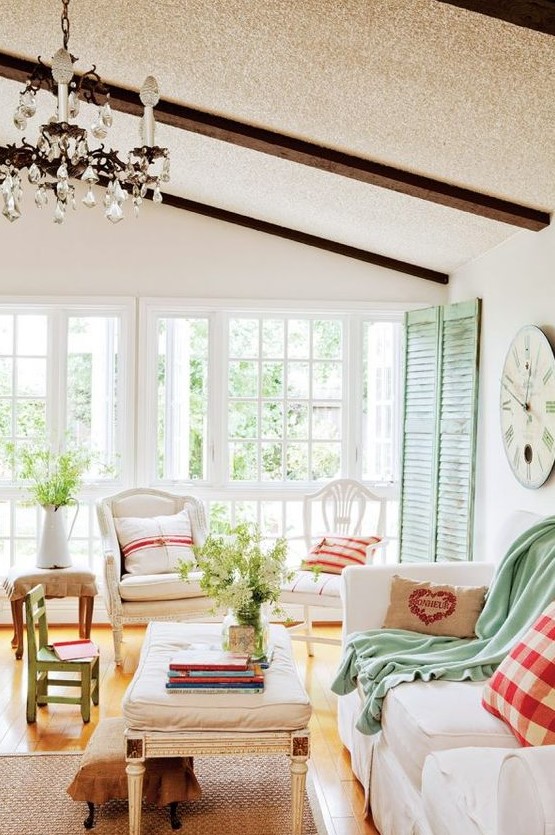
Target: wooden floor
[[59, 727]]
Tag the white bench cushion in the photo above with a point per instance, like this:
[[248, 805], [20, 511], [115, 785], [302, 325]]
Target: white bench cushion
[[307, 582], [420, 717], [147, 705], [159, 587]]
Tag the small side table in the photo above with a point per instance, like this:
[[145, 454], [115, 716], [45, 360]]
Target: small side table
[[75, 581]]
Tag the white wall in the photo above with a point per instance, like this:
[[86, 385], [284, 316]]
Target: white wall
[[516, 282], [169, 252]]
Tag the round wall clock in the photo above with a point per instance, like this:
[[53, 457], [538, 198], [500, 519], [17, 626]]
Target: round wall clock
[[527, 406]]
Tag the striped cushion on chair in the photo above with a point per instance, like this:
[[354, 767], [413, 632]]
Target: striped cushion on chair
[[333, 553], [522, 690], [154, 544]]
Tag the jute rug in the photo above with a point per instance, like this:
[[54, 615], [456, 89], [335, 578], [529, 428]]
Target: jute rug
[[244, 795]]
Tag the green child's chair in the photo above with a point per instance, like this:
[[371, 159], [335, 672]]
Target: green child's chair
[[42, 660]]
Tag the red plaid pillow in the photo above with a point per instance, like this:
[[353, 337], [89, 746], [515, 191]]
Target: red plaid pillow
[[522, 689], [334, 553]]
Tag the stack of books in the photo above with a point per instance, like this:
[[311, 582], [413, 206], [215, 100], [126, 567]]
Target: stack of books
[[213, 671]]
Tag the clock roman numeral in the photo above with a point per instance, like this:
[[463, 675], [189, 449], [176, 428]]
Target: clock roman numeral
[[547, 376], [516, 458], [547, 438], [506, 405], [550, 406], [509, 435], [516, 357]]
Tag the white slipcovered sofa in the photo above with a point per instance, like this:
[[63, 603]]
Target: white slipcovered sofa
[[441, 764]]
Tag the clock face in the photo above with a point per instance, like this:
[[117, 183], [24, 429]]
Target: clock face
[[527, 405]]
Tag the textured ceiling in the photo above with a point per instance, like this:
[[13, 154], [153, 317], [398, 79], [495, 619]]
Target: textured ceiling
[[422, 86]]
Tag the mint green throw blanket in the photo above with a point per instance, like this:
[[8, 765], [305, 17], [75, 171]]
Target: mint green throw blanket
[[523, 585]]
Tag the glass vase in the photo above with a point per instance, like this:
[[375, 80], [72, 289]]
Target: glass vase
[[255, 616]]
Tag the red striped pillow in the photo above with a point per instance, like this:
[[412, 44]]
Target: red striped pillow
[[334, 553], [522, 689], [155, 544]]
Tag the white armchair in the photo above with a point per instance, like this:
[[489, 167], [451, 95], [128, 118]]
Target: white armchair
[[342, 507], [142, 597]]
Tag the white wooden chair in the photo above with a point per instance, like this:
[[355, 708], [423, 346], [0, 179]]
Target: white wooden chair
[[140, 598], [343, 507]]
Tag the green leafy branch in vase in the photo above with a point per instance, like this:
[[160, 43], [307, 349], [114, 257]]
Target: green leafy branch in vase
[[51, 478], [240, 570]]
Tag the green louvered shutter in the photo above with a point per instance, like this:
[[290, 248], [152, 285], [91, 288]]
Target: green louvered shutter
[[419, 434], [439, 432]]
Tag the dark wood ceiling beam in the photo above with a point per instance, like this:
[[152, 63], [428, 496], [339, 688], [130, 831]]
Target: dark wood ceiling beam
[[304, 238], [316, 156], [348, 165], [530, 14]]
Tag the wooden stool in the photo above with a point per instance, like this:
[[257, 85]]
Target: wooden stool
[[102, 777], [76, 581]]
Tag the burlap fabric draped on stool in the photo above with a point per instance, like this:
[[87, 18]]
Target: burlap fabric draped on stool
[[102, 777]]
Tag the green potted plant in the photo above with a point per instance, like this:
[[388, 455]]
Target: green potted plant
[[52, 479], [242, 574]]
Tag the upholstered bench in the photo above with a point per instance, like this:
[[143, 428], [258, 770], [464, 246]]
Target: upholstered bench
[[101, 776], [162, 723]]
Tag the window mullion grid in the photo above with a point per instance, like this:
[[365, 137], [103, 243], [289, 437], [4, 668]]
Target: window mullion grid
[[126, 394], [285, 394], [218, 369], [169, 411], [13, 397], [259, 404], [397, 398], [310, 403], [13, 500], [352, 387], [56, 389], [109, 376], [146, 471]]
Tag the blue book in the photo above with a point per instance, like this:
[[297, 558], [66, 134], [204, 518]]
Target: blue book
[[213, 689], [209, 674]]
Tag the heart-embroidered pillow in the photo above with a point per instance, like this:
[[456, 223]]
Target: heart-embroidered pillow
[[434, 609]]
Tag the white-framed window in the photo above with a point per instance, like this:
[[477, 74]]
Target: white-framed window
[[66, 377], [287, 397], [267, 396], [182, 397], [380, 400], [248, 405]]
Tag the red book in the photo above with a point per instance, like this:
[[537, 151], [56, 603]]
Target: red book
[[74, 650], [200, 659], [223, 679]]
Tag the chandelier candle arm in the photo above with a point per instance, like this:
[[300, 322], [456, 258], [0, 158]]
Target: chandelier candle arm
[[150, 96], [62, 73]]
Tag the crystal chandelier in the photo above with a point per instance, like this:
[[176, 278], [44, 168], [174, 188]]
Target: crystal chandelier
[[62, 153]]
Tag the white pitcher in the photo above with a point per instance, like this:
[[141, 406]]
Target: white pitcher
[[53, 549]]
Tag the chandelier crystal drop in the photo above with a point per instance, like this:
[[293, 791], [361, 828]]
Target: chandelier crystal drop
[[65, 152]]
